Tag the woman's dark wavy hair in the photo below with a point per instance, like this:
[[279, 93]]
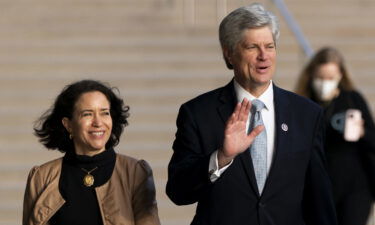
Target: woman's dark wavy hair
[[50, 130]]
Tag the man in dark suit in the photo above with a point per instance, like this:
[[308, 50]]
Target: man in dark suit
[[250, 152]]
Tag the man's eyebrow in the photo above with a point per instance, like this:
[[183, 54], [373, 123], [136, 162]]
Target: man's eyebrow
[[86, 110]]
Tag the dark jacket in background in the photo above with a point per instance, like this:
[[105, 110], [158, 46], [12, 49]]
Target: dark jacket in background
[[351, 165]]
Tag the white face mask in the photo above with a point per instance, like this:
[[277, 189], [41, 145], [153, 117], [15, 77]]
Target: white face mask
[[324, 89]]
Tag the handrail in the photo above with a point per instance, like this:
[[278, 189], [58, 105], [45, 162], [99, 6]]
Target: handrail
[[292, 24]]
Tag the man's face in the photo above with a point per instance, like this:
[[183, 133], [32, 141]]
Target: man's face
[[254, 59]]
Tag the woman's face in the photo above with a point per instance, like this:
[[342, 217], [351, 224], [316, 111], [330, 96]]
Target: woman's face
[[328, 71], [326, 81], [91, 123]]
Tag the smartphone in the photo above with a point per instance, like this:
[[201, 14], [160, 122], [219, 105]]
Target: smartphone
[[353, 125]]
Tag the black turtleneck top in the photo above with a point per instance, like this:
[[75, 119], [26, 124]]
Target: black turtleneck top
[[81, 206]]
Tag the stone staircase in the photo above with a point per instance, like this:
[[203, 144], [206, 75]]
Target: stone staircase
[[158, 53]]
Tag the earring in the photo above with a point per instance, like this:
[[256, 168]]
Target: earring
[[70, 136]]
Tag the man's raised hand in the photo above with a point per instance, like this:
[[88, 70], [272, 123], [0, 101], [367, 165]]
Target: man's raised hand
[[236, 139]]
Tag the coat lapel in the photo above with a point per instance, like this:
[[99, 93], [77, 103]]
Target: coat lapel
[[249, 170], [50, 199], [229, 101], [282, 124]]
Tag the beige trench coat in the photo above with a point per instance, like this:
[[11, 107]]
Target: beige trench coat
[[128, 198]]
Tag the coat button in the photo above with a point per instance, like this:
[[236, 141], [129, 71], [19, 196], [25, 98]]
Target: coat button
[[261, 205]]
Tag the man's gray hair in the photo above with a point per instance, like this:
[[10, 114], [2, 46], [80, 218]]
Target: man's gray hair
[[247, 17]]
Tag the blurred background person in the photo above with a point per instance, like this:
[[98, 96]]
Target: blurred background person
[[350, 133], [91, 183]]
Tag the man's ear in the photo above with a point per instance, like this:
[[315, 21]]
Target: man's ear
[[227, 55], [66, 123]]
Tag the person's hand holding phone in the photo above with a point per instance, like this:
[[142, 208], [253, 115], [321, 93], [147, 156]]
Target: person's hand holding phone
[[354, 125]]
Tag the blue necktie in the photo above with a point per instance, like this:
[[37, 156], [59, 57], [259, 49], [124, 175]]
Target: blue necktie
[[258, 149]]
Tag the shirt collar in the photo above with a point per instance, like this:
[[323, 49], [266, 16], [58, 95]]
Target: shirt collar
[[266, 97]]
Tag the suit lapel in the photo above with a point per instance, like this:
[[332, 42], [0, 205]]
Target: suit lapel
[[249, 170], [282, 125], [229, 101]]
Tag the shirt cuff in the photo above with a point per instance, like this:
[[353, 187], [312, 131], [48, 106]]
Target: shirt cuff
[[213, 168]]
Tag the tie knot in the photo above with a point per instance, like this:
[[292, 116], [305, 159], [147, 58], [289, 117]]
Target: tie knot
[[257, 105]]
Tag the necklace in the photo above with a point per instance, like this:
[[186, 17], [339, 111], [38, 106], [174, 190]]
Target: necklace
[[88, 179]]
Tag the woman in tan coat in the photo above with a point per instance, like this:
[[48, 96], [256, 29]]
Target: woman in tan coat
[[90, 184]]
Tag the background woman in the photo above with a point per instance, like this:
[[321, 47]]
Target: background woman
[[90, 184], [350, 134]]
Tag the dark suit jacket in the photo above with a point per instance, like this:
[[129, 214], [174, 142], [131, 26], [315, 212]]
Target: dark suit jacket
[[297, 190]]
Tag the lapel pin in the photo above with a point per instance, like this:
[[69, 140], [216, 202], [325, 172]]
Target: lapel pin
[[284, 127]]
